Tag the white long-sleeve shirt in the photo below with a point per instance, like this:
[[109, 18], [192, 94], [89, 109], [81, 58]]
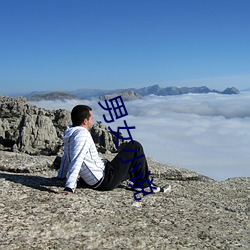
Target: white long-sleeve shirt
[[80, 157]]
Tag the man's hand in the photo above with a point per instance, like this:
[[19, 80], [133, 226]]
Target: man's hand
[[66, 191]]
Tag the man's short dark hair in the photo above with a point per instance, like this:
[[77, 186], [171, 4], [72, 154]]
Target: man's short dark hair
[[79, 113]]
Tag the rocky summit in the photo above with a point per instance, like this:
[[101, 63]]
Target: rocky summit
[[36, 131], [199, 212]]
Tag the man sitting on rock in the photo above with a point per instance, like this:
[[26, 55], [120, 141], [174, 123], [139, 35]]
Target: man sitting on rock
[[81, 158]]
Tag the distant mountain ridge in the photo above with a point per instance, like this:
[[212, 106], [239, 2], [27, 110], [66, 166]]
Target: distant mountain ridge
[[157, 90], [129, 93], [53, 96]]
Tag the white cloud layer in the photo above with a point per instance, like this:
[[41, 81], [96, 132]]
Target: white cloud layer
[[207, 133]]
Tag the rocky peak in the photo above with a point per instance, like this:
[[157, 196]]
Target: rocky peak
[[127, 95], [230, 91]]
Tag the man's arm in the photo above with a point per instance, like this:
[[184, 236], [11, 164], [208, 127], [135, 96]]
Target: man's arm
[[78, 148]]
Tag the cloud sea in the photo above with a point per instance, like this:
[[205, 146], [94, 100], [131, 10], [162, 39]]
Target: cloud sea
[[207, 133]]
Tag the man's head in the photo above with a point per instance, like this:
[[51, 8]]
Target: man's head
[[81, 115]]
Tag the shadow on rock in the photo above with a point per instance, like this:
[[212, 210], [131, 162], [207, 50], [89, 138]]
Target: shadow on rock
[[35, 182]]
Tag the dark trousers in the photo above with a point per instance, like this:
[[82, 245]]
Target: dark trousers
[[117, 171]]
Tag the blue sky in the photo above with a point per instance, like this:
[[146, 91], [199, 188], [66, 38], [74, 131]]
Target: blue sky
[[66, 45]]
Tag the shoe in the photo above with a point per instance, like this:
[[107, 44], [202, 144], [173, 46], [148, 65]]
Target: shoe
[[152, 189], [128, 185], [166, 188], [156, 189]]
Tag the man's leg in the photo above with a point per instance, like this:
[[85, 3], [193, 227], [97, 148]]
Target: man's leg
[[120, 167]]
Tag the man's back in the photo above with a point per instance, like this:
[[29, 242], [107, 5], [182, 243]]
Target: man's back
[[80, 157]]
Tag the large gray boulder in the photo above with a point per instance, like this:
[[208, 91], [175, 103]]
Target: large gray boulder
[[105, 141], [37, 133], [27, 128]]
